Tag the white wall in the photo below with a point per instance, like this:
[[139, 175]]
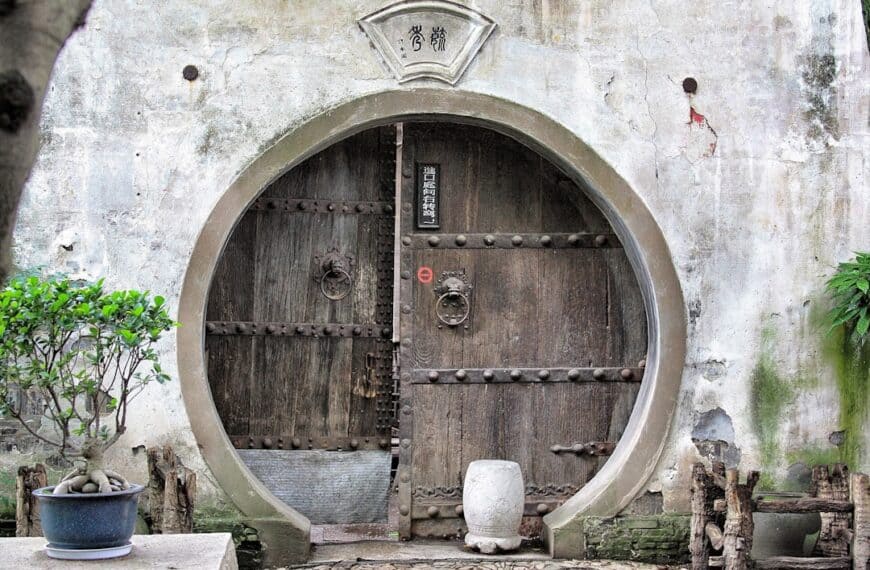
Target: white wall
[[134, 158]]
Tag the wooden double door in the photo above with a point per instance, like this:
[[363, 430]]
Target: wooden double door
[[437, 292]]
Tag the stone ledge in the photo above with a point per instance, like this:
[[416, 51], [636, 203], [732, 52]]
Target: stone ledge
[[212, 551]]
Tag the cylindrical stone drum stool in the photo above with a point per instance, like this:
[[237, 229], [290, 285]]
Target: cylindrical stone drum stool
[[492, 502]]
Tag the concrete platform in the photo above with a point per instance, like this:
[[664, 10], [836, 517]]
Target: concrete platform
[[212, 551]]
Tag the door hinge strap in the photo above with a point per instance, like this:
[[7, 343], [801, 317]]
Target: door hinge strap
[[301, 206], [511, 241], [326, 330], [518, 375], [280, 441]]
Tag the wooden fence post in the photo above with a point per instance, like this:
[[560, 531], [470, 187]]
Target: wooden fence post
[[700, 516], [706, 533], [737, 541], [860, 497], [171, 492], [27, 521], [832, 484]]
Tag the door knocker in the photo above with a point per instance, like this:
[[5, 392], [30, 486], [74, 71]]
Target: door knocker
[[453, 305], [334, 274]]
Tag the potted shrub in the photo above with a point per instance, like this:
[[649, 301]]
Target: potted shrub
[[87, 353]]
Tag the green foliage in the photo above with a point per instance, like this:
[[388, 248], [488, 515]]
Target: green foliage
[[850, 289], [82, 349]]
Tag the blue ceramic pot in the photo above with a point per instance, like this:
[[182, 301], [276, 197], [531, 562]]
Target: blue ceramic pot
[[88, 520]]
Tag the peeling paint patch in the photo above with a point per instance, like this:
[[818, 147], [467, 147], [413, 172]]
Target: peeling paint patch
[[713, 435], [702, 139]]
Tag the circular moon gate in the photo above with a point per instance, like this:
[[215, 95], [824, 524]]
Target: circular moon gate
[[637, 453]]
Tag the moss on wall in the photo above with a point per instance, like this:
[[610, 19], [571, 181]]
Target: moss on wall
[[7, 495], [851, 366], [770, 394], [659, 539], [811, 456]]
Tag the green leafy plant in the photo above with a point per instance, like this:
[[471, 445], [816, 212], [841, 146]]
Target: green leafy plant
[[87, 354], [850, 288]]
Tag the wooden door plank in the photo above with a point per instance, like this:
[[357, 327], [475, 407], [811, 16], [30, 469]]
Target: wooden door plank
[[229, 361], [571, 308], [282, 272], [627, 341], [273, 393], [437, 438], [229, 298]]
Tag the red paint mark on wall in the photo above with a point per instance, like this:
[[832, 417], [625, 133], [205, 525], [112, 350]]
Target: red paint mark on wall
[[425, 275], [699, 121]]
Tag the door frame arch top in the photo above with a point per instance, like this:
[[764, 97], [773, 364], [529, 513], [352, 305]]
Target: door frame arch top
[[638, 451]]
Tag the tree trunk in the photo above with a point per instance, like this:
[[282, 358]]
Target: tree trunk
[[32, 33], [171, 492], [27, 521], [860, 491], [738, 520], [832, 484]]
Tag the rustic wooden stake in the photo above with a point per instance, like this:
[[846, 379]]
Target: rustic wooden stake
[[706, 520], [860, 497], [171, 492], [832, 484], [698, 542], [27, 522], [738, 520]]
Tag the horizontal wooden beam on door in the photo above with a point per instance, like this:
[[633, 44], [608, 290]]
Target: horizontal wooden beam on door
[[318, 330], [297, 442], [302, 206], [513, 375], [511, 241]]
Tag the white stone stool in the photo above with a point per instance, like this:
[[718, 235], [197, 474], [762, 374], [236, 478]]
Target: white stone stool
[[492, 501]]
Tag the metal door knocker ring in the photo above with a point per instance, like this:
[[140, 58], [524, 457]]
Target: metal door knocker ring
[[453, 305], [335, 277]]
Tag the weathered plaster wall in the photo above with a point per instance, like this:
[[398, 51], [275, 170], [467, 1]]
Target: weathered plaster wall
[[759, 180]]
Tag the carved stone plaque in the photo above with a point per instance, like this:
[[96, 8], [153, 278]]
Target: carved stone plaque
[[427, 38]]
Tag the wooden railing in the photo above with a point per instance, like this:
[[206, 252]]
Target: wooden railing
[[722, 521]]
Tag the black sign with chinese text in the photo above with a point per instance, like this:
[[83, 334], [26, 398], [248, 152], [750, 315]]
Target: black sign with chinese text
[[428, 195]]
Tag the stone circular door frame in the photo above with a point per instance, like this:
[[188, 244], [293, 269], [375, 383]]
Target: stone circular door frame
[[638, 451]]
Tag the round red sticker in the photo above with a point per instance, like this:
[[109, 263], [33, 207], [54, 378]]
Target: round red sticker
[[425, 274]]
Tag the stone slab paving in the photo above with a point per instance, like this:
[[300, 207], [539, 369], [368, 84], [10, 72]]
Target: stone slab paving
[[489, 565], [446, 555]]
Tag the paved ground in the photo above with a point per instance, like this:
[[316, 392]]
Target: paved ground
[[487, 565], [445, 555]]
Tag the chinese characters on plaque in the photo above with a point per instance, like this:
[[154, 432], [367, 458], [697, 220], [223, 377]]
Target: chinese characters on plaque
[[428, 194], [437, 38]]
